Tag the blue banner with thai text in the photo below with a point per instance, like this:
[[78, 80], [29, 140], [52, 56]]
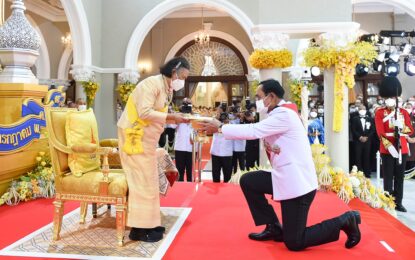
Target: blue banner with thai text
[[21, 134]]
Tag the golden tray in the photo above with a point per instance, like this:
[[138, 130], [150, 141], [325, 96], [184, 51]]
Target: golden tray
[[197, 120]]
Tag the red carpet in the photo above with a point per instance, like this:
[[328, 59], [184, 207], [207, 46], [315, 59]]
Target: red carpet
[[218, 225]]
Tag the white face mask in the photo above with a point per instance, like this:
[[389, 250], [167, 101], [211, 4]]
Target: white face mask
[[380, 101], [81, 107], [320, 111], [313, 114], [177, 84], [362, 112], [390, 102], [260, 106]]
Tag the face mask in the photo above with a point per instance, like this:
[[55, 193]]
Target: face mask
[[390, 102], [320, 111], [312, 105], [362, 112], [352, 110], [260, 106], [81, 107], [380, 102], [313, 114], [177, 84]]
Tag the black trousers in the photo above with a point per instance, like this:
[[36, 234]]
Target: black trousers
[[362, 156], [296, 234], [184, 163], [252, 153], [238, 157], [223, 163], [393, 175]]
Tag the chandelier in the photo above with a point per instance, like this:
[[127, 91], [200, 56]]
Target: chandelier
[[202, 37], [66, 40]]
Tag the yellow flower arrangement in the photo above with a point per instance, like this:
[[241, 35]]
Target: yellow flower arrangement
[[125, 90], [268, 59], [90, 88], [253, 88], [349, 186], [295, 87], [344, 61], [38, 183]]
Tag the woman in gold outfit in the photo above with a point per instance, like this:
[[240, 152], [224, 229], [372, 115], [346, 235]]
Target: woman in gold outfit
[[139, 130]]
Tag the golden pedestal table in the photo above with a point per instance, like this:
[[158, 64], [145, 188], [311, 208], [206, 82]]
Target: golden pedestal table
[[13, 164]]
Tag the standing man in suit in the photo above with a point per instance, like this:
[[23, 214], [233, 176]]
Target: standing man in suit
[[363, 128], [292, 180], [392, 121]]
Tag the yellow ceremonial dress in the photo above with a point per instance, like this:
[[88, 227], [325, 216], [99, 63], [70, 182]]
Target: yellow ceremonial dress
[[139, 130]]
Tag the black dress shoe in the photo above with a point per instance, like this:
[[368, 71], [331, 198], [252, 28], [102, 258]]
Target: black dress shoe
[[145, 234], [160, 229], [400, 207], [350, 225], [271, 232]]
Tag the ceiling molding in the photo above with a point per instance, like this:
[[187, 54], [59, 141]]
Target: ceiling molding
[[197, 13], [376, 8], [45, 10]]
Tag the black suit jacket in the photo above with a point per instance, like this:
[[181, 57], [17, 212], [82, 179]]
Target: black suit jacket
[[358, 130]]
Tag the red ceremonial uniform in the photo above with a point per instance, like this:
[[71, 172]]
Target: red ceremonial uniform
[[386, 129]]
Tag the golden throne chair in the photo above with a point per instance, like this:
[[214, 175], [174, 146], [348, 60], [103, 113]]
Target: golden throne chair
[[102, 186]]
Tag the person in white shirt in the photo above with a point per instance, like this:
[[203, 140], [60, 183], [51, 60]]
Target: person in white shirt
[[238, 156], [183, 146], [292, 180], [221, 151]]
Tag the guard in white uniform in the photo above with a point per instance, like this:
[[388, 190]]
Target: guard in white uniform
[[221, 151], [183, 147], [292, 180], [238, 151]]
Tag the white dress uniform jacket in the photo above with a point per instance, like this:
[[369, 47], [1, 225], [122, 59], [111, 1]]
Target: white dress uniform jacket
[[221, 146], [182, 141], [293, 172]]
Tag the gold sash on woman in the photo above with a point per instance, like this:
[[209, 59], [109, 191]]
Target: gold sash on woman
[[133, 136]]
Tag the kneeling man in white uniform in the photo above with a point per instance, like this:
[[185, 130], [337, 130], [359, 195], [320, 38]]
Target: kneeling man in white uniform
[[292, 180]]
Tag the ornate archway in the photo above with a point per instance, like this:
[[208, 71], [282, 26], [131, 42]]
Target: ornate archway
[[81, 39], [217, 73], [406, 5], [169, 6]]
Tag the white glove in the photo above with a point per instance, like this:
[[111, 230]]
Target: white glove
[[393, 152], [398, 123]]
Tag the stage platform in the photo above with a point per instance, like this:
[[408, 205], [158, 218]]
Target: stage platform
[[219, 222]]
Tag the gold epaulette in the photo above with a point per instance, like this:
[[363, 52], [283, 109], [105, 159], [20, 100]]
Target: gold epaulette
[[406, 130]]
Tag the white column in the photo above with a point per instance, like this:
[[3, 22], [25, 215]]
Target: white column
[[269, 40], [337, 142], [80, 74]]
